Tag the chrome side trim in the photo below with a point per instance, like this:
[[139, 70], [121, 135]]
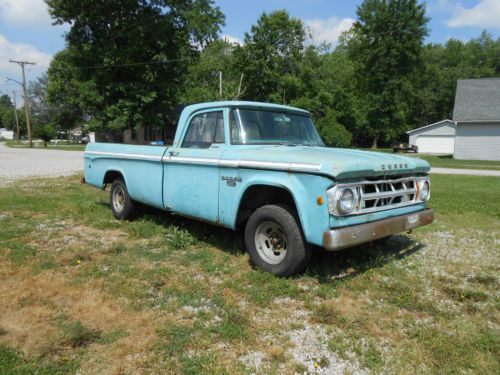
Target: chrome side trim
[[234, 163], [190, 160], [231, 163], [124, 155]]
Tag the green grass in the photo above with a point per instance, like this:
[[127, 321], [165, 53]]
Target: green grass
[[62, 145], [447, 161], [165, 294]]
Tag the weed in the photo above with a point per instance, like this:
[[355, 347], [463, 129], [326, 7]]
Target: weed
[[77, 335]]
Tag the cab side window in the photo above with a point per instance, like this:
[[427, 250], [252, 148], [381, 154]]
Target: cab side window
[[204, 130]]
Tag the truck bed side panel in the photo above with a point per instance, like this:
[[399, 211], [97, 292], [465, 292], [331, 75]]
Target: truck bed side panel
[[140, 167]]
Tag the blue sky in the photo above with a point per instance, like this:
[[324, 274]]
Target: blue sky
[[26, 30]]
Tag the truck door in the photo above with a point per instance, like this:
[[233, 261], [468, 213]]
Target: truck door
[[191, 178]]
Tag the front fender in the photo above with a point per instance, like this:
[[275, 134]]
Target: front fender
[[304, 189]]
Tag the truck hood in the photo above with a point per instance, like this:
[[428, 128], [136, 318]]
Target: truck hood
[[335, 162]]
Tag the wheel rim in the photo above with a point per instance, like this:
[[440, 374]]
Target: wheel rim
[[271, 242], [119, 199]]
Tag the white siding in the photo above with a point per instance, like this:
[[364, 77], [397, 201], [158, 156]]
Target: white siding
[[435, 144], [442, 128], [478, 141]]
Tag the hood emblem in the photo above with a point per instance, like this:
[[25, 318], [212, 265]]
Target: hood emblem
[[394, 166]]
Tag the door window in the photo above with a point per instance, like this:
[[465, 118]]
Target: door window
[[204, 130]]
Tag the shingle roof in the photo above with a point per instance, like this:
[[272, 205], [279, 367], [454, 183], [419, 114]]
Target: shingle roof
[[477, 100]]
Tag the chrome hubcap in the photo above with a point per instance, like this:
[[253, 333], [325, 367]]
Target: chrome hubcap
[[271, 242], [119, 199]]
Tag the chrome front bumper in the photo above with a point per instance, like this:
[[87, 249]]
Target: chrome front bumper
[[342, 238]]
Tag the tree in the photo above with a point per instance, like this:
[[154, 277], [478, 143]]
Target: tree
[[270, 57], [39, 106], [44, 132], [202, 82], [387, 43], [5, 106], [66, 94], [8, 119], [130, 57]]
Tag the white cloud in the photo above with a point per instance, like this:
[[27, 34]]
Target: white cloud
[[21, 51], [328, 30], [485, 14], [31, 13], [232, 39]]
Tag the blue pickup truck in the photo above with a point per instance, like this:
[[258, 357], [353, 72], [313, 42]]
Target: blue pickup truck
[[264, 169]]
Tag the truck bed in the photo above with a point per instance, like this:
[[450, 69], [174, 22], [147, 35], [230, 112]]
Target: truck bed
[[143, 166]]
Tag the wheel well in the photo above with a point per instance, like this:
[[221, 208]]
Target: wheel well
[[110, 176], [260, 195]]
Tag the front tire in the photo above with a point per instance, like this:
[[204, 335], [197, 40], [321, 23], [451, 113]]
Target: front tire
[[275, 242], [121, 204]]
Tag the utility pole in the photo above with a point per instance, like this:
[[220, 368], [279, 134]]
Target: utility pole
[[22, 64], [15, 115]]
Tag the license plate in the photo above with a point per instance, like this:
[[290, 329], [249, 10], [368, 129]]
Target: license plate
[[413, 219]]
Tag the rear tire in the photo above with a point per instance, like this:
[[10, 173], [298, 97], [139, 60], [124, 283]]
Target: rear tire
[[121, 204], [275, 242]]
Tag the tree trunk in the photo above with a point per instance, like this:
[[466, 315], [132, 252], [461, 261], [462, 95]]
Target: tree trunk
[[375, 141]]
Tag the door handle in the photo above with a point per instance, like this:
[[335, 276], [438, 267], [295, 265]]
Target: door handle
[[173, 153]]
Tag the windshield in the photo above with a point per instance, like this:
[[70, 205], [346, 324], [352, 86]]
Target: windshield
[[250, 126]]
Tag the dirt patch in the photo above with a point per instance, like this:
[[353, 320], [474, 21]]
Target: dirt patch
[[31, 305]]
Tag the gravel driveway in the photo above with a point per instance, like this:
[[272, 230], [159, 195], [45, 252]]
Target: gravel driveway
[[16, 163]]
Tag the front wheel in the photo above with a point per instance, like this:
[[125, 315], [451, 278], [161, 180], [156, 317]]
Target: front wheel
[[121, 204], [275, 243]]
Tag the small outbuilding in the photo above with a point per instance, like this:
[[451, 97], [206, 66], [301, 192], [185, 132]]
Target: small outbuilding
[[6, 134], [477, 117], [437, 138]]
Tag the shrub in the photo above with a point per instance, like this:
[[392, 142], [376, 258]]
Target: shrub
[[333, 133], [45, 132]]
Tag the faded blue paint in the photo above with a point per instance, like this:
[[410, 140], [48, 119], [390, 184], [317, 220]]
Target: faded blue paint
[[304, 189], [142, 177], [197, 190]]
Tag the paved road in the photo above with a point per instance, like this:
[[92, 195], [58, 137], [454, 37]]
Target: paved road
[[470, 172], [16, 163]]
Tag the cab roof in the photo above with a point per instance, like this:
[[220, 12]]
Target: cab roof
[[238, 103]]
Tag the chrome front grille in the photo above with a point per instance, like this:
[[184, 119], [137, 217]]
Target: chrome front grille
[[378, 195]]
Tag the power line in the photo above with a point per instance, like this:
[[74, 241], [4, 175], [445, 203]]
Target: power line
[[131, 64]]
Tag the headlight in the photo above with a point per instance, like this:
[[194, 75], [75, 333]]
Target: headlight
[[345, 201], [425, 190]]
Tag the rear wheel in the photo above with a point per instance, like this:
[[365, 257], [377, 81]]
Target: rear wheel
[[274, 241], [121, 204]]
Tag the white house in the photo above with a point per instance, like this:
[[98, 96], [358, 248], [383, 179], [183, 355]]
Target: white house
[[437, 138], [477, 117], [6, 134]]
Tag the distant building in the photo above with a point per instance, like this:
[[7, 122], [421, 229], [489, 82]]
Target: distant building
[[6, 134], [477, 117], [474, 132], [437, 138]]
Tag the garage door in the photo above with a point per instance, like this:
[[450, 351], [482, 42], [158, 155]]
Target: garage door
[[436, 144]]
